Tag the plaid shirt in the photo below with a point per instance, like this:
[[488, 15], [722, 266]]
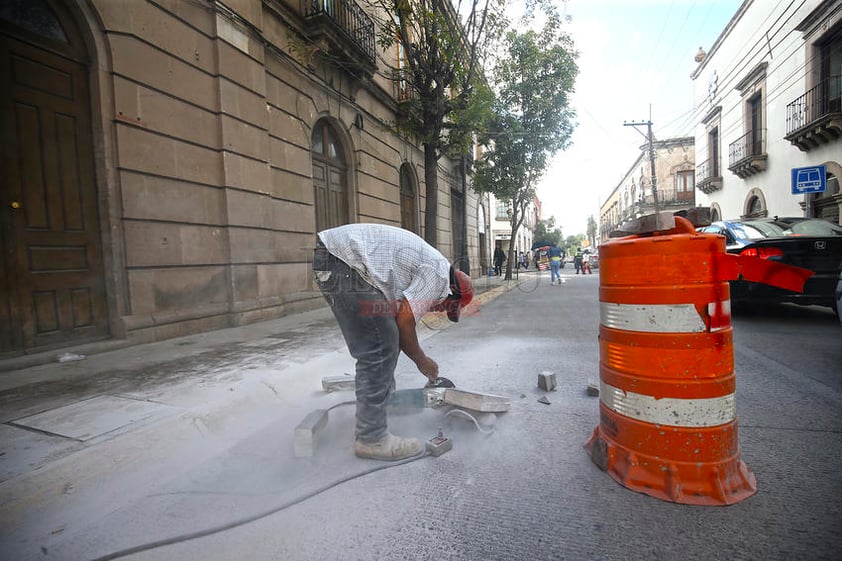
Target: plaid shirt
[[395, 261]]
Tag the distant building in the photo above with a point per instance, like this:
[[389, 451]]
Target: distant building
[[634, 196], [768, 95], [501, 228]]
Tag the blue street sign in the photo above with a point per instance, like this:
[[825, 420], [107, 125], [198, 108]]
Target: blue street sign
[[809, 180]]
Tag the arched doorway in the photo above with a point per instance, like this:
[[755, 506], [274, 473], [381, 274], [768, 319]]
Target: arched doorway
[[408, 208], [827, 204], [715, 213], [52, 291], [329, 177]]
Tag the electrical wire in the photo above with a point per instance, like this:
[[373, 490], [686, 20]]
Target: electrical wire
[[274, 510], [470, 418], [249, 519]]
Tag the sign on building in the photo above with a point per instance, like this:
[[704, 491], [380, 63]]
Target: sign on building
[[809, 180]]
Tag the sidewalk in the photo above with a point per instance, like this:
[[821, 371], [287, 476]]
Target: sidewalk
[[55, 409], [90, 435]]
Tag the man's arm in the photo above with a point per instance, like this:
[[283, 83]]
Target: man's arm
[[409, 342]]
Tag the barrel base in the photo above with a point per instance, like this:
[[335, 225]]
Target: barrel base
[[720, 483]]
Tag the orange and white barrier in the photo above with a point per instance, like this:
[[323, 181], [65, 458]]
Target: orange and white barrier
[[668, 414]]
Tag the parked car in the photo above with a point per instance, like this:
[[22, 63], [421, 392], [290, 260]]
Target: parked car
[[810, 243]]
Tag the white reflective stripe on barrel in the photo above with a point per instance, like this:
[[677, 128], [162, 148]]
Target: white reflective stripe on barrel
[[670, 411], [652, 318]]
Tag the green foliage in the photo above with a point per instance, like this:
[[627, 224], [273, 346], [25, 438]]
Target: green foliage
[[534, 75], [592, 230], [573, 242], [440, 66], [546, 230]]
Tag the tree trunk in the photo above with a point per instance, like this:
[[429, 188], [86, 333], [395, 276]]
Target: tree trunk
[[512, 240], [431, 207]]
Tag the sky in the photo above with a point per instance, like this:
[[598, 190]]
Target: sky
[[635, 56]]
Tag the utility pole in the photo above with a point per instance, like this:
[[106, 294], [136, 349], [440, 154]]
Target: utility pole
[[648, 136]]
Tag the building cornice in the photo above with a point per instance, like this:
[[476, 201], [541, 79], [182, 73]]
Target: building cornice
[[722, 36], [712, 114], [757, 73], [817, 16]]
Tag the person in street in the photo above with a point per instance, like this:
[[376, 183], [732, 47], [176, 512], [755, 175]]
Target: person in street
[[586, 264], [578, 260], [499, 258], [379, 280], [523, 261], [554, 253]]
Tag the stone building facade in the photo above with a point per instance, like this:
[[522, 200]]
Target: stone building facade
[[768, 96], [675, 160], [168, 163]]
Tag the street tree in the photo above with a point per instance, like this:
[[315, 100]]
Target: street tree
[[533, 77], [572, 243], [546, 230], [592, 230], [439, 69]]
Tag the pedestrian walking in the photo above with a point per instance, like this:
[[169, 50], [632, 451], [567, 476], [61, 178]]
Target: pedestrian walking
[[554, 253], [499, 258], [379, 280]]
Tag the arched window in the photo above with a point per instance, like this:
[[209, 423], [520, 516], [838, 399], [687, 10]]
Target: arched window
[[408, 210], [329, 177], [754, 207]]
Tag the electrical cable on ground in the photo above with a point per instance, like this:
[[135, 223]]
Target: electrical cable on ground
[[470, 418], [248, 519]]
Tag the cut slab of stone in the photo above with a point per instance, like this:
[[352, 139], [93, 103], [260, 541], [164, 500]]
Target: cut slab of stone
[[483, 402], [546, 381], [338, 383], [93, 417], [308, 431]]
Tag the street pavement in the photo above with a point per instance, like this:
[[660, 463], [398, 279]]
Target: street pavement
[[194, 436]]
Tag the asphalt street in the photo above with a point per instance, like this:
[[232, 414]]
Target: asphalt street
[[522, 488]]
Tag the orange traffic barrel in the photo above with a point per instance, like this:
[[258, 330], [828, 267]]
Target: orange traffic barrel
[[668, 417]]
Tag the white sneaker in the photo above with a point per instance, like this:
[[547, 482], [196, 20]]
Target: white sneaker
[[389, 448]]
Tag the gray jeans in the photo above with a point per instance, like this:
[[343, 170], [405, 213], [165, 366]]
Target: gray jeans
[[368, 324]]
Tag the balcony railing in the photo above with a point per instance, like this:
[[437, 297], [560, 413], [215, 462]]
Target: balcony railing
[[750, 144], [747, 156], [346, 19], [815, 118], [403, 89], [668, 199], [708, 176], [818, 102]]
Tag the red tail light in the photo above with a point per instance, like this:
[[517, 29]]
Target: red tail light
[[762, 252]]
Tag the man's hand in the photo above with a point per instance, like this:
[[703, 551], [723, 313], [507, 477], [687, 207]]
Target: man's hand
[[429, 368], [409, 342]]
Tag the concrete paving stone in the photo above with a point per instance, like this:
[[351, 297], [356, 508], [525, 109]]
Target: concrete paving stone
[[23, 450], [93, 417]]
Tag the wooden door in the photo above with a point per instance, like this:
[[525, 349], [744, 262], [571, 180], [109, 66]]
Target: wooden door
[[331, 192], [52, 285]]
